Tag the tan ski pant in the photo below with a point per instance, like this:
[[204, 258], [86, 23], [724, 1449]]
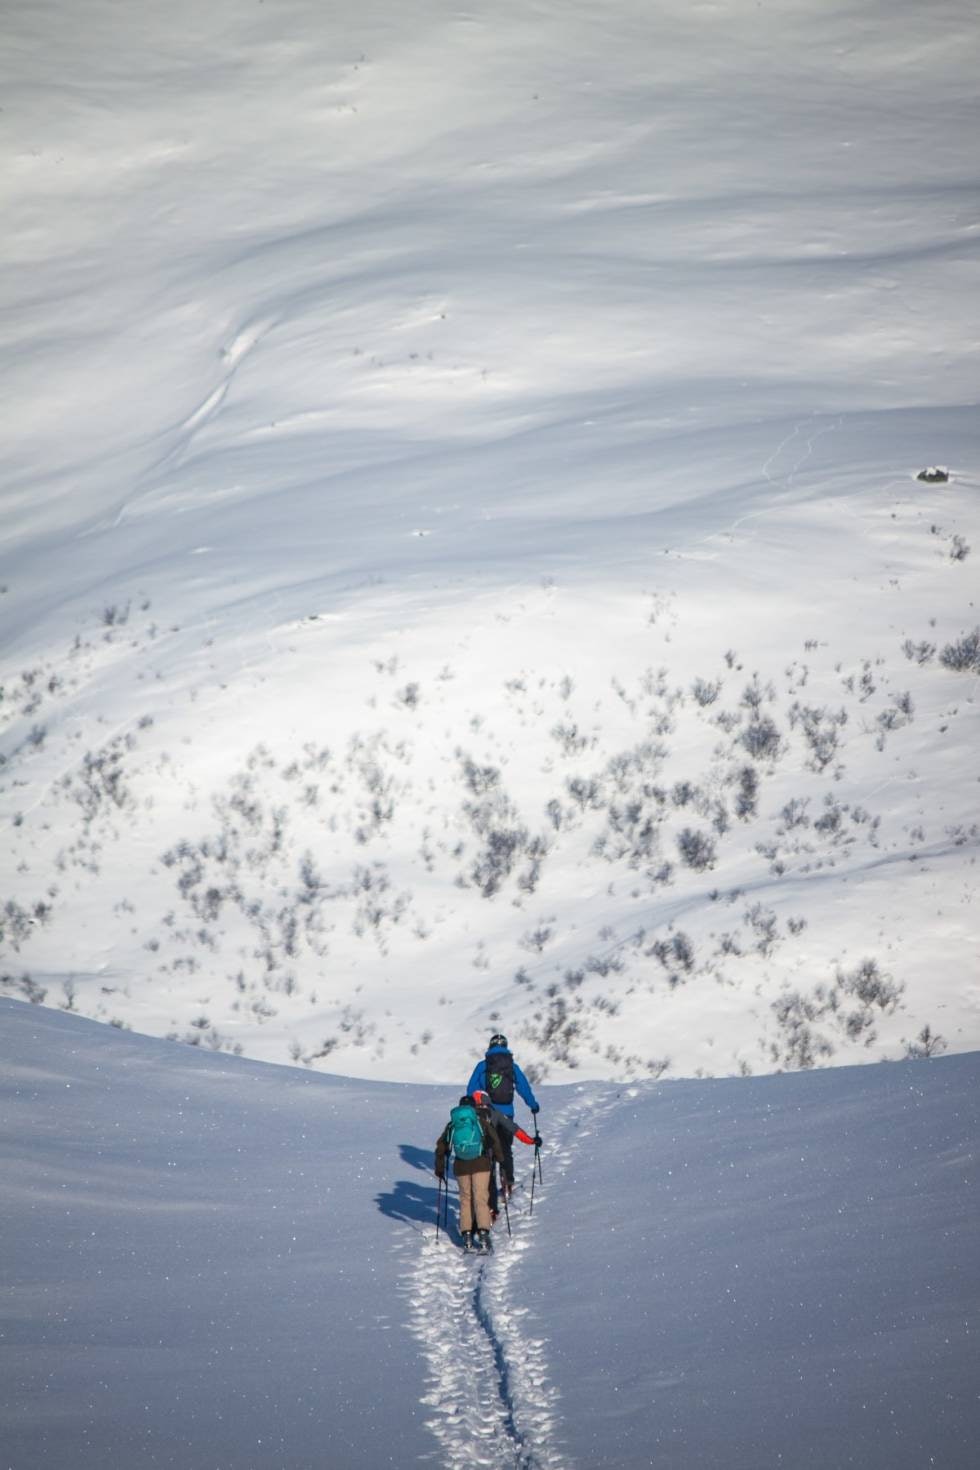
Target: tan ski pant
[[474, 1192]]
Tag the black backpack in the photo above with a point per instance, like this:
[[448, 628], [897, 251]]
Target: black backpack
[[500, 1076]]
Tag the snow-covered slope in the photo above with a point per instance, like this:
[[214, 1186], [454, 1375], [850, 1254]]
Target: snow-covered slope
[[462, 556], [211, 1262]]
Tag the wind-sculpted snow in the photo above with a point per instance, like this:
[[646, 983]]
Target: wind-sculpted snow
[[489, 530], [215, 1264]]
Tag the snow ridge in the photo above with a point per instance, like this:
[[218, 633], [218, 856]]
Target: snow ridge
[[491, 1399]]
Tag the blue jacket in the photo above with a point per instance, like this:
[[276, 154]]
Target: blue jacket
[[478, 1083]]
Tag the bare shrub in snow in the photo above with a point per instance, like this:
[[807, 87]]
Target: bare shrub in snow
[[631, 771], [380, 787], [535, 940], [794, 814], [603, 965], [535, 850], [697, 849], [683, 951], [480, 780], [27, 986], [802, 1046], [926, 1044], [920, 653], [328, 1045], [502, 847], [377, 905], [960, 835], [559, 1030], [683, 793], [832, 820], [706, 691], [761, 738], [850, 1006], [505, 838], [570, 738], [870, 986], [584, 791], [720, 820], [963, 656], [762, 922], [754, 695], [747, 795], [99, 785], [309, 877], [676, 955], [17, 924]]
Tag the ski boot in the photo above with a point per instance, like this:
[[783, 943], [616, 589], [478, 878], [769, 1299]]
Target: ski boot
[[484, 1243], [467, 1241]]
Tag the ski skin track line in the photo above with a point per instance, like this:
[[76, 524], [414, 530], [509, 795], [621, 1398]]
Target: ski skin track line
[[523, 1459], [491, 1403]]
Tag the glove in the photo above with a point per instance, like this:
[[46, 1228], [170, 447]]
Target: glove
[[535, 1112], [439, 1174], [537, 1140]]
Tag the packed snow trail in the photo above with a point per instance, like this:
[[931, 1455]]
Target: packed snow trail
[[490, 1400]]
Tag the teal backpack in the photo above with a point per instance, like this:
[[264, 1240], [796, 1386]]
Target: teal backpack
[[465, 1133]]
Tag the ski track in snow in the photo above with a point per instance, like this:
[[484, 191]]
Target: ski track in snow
[[489, 1397]]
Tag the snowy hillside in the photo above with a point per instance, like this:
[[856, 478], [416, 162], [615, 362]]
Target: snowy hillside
[[216, 1264], [463, 554]]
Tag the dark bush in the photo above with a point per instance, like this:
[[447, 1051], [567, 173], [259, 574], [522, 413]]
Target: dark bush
[[964, 655], [762, 739], [697, 849], [746, 800]]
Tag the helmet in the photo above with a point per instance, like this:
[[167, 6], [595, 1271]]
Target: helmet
[[497, 1040], [465, 1100]]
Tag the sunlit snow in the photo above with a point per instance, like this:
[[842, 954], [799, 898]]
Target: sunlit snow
[[462, 531]]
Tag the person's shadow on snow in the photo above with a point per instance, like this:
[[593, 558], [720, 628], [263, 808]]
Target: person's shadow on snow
[[410, 1201], [418, 1158]]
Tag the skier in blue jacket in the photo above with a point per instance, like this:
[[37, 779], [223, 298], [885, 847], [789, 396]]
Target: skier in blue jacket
[[499, 1076]]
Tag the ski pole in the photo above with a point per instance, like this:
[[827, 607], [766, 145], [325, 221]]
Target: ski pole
[[536, 1172], [439, 1204]]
